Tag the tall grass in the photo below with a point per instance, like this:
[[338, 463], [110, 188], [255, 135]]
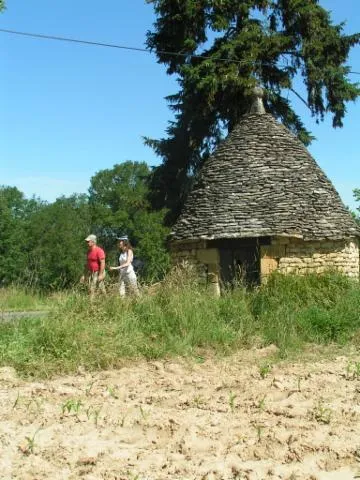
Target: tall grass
[[21, 298], [181, 318]]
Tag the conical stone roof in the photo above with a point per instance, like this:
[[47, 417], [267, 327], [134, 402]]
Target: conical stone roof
[[261, 181]]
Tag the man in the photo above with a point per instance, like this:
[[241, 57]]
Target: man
[[95, 267]]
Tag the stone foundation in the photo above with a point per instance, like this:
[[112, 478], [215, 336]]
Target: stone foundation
[[285, 255]]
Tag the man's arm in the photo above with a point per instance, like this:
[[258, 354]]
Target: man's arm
[[102, 269]]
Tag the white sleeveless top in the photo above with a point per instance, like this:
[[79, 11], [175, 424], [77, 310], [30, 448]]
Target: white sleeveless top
[[123, 259]]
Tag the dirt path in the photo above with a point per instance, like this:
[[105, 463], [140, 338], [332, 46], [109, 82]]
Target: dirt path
[[8, 316], [232, 418]]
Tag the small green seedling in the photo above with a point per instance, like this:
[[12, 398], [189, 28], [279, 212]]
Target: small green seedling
[[261, 405], [122, 421], [93, 412], [259, 431], [322, 414], [72, 405], [16, 401], [232, 397], [198, 401], [265, 369], [28, 448], [88, 388], [353, 370], [112, 392], [144, 414]]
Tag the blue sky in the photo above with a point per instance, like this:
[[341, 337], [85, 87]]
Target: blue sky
[[68, 111]]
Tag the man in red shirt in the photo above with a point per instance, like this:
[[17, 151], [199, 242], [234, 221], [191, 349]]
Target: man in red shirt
[[95, 266]]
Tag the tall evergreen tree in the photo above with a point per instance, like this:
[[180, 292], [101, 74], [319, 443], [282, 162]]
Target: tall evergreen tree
[[224, 48]]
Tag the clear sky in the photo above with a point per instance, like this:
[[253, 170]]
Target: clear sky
[[68, 110]]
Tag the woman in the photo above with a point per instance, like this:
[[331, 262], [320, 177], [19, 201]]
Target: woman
[[127, 277]]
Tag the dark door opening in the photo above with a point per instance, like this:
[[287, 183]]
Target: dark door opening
[[239, 261]]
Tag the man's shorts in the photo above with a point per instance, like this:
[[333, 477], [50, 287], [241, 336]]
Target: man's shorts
[[94, 283]]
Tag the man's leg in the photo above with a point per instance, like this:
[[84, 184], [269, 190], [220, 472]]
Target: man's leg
[[92, 282], [101, 286]]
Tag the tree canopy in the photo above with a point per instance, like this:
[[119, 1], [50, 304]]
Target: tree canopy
[[118, 198], [42, 244], [223, 49]]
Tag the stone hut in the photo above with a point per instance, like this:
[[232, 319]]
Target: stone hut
[[261, 203]]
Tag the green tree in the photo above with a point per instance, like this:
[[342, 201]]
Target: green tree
[[118, 199], [12, 234], [57, 250], [239, 43]]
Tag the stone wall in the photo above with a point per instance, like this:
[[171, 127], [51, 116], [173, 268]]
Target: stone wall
[[292, 255], [205, 260], [285, 255]]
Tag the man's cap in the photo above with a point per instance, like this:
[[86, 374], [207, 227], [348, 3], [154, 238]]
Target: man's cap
[[90, 238], [123, 237]]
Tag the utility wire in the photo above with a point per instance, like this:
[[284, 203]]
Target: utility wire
[[125, 47]]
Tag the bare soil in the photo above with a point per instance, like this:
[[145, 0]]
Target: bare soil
[[237, 417]]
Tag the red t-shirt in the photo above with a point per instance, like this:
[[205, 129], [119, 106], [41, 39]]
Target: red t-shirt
[[93, 258]]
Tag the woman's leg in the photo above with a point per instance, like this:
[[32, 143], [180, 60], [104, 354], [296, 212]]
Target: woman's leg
[[122, 286], [131, 283]]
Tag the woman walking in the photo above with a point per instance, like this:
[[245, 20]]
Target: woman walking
[[127, 276]]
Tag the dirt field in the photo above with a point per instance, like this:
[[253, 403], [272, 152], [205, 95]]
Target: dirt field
[[232, 418]]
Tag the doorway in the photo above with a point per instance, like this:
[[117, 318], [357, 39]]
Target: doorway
[[239, 261]]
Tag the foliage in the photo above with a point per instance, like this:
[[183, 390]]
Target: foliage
[[181, 318], [56, 243], [15, 211], [238, 43], [119, 205], [42, 244]]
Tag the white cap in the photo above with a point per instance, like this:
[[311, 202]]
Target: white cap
[[90, 238]]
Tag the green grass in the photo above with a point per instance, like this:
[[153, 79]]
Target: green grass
[[18, 298], [183, 319]]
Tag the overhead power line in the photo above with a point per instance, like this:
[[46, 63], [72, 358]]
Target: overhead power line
[[125, 47]]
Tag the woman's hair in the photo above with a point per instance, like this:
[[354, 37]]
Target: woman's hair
[[127, 244]]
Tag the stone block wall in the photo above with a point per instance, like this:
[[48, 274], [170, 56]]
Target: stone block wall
[[285, 255], [292, 255], [205, 260]]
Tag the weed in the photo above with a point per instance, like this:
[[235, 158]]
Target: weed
[[112, 392], [198, 401], [72, 405], [122, 421], [96, 414], [93, 412], [353, 370], [232, 397], [259, 431], [321, 413], [16, 401], [265, 369], [261, 404], [88, 388], [143, 413], [29, 445]]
